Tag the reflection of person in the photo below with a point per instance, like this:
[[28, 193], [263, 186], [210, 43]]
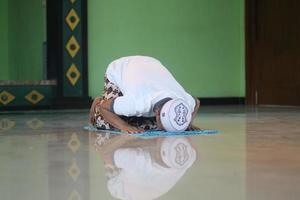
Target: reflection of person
[[140, 94], [144, 169]]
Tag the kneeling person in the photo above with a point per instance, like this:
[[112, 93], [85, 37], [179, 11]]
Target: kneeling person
[[141, 94]]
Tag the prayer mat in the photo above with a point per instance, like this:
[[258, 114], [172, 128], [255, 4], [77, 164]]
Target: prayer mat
[[155, 133]]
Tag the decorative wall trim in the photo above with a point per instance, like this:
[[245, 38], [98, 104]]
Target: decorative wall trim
[[12, 97], [72, 49], [73, 77], [66, 64]]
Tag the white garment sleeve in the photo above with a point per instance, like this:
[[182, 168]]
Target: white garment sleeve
[[125, 105]]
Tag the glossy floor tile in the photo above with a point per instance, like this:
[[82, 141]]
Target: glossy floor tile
[[47, 155]]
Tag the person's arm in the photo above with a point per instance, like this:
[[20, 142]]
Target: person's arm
[[194, 114], [105, 110]]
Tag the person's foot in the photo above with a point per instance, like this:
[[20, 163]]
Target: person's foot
[[96, 101]]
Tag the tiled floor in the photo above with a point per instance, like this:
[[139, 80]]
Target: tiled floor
[[256, 156]]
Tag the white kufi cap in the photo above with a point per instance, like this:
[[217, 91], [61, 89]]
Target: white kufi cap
[[175, 115]]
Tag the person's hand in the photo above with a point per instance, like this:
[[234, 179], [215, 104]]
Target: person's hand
[[131, 129]]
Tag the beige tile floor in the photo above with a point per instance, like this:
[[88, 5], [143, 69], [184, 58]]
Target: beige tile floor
[[256, 156]]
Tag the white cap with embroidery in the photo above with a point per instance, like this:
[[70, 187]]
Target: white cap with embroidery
[[175, 115]]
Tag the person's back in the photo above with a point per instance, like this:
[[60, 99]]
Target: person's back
[[144, 81]]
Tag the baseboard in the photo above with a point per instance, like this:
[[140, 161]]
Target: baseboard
[[205, 101]]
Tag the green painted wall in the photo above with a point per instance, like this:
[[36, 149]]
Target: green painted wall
[[22, 32], [3, 40], [26, 36], [200, 41], [242, 50]]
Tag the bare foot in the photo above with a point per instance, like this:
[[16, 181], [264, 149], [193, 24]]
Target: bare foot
[[92, 110]]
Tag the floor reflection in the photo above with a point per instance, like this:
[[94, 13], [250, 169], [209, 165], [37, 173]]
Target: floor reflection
[[143, 168], [48, 156], [68, 166]]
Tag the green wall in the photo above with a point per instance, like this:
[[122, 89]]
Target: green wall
[[26, 36], [200, 41], [3, 40], [22, 32]]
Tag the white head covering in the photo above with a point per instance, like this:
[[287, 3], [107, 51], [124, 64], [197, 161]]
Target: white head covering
[[175, 115], [140, 178]]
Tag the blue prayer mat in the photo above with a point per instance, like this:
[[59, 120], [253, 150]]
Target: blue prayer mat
[[156, 133]]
